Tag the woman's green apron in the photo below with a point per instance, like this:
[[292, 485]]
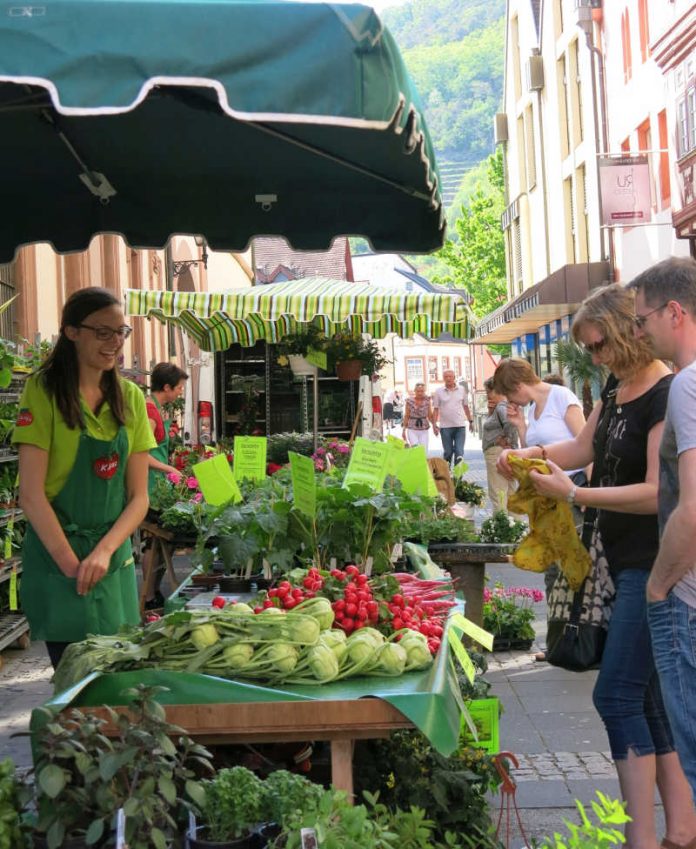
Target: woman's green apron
[[161, 452], [91, 500]]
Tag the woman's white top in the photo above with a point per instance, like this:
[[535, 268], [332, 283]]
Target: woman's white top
[[551, 426]]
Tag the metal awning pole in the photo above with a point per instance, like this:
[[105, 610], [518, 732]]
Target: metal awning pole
[[315, 407]]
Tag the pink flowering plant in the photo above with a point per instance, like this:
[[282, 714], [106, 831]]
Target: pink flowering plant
[[508, 612], [331, 454]]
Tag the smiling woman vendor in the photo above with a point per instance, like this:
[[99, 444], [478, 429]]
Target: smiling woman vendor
[[83, 437]]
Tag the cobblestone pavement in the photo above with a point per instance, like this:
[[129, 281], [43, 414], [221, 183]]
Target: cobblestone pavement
[[24, 683]]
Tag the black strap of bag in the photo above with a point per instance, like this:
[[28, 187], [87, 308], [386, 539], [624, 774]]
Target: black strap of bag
[[577, 649]]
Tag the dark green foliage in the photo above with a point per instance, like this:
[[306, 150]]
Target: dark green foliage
[[407, 772]]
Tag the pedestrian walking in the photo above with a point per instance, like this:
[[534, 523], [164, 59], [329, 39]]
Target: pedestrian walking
[[666, 314], [625, 430], [388, 411], [83, 440], [451, 416], [418, 416], [167, 384], [497, 434]]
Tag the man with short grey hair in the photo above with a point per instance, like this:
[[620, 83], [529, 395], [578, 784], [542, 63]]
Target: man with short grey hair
[[666, 313], [451, 414]]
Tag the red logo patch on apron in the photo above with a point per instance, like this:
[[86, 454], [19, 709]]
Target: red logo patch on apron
[[105, 467], [24, 417]]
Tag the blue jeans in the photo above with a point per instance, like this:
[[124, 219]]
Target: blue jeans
[[453, 439], [673, 630], [627, 693]]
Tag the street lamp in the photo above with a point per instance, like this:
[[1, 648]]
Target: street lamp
[[181, 265]]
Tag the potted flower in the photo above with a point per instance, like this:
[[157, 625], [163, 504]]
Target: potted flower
[[233, 807], [501, 528], [293, 350], [508, 614], [469, 493], [355, 355]]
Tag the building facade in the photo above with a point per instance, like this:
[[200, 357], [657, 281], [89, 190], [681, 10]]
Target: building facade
[[41, 280], [599, 133], [550, 129]]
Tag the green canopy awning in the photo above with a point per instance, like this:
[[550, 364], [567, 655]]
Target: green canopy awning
[[271, 312], [226, 118]]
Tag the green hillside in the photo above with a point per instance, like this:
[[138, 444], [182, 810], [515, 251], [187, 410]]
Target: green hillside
[[454, 51]]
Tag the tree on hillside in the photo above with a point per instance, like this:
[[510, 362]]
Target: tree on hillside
[[475, 257], [434, 22]]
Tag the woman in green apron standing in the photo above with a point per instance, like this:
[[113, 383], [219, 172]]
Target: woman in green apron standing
[[83, 438], [167, 384]]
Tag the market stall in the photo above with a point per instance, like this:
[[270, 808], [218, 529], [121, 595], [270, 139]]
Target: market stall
[[285, 311], [217, 711]]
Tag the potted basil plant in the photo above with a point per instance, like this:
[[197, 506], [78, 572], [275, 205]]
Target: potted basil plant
[[233, 808]]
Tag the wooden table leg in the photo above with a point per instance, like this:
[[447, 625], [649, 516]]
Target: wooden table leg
[[342, 766], [166, 551]]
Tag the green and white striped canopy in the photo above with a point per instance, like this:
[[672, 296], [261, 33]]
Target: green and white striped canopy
[[217, 320]]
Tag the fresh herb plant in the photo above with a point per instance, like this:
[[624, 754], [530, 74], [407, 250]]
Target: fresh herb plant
[[234, 804], [590, 835], [502, 528]]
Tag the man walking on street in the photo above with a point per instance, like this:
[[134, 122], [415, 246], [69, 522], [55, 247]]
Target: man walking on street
[[450, 417], [666, 312]]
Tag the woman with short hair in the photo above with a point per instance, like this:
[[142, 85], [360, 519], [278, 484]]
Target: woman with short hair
[[418, 416]]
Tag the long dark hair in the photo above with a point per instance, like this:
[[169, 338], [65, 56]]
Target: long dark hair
[[60, 372]]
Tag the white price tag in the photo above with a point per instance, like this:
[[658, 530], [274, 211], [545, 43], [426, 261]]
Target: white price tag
[[192, 826], [121, 829], [308, 838]]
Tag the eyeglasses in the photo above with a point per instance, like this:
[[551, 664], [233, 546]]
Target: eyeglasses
[[106, 334], [595, 347], [640, 320]]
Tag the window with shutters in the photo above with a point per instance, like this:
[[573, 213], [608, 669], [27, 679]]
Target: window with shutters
[[626, 46], [563, 105], [643, 30], [581, 234], [517, 255], [432, 369], [569, 219], [521, 154], [529, 148], [7, 292], [665, 185]]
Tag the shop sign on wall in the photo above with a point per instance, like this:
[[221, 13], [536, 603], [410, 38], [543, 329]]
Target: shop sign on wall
[[625, 187]]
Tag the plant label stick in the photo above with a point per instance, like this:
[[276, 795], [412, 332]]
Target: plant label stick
[[121, 829]]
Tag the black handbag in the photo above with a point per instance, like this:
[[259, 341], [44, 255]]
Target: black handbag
[[578, 621]]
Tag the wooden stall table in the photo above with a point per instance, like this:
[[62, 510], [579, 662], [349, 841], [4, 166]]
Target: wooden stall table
[[218, 711], [466, 561]]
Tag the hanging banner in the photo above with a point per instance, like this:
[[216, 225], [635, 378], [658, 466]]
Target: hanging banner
[[625, 186]]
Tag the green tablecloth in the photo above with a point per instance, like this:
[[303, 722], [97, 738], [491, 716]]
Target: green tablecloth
[[429, 699]]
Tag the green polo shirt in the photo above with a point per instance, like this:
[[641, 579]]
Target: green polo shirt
[[40, 423]]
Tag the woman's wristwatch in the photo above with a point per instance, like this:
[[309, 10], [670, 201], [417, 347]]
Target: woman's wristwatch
[[570, 498]]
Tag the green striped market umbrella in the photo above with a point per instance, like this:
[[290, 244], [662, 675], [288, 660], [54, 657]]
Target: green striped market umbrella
[[216, 320], [225, 118]]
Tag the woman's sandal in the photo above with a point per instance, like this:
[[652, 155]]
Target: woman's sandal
[[670, 844]]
